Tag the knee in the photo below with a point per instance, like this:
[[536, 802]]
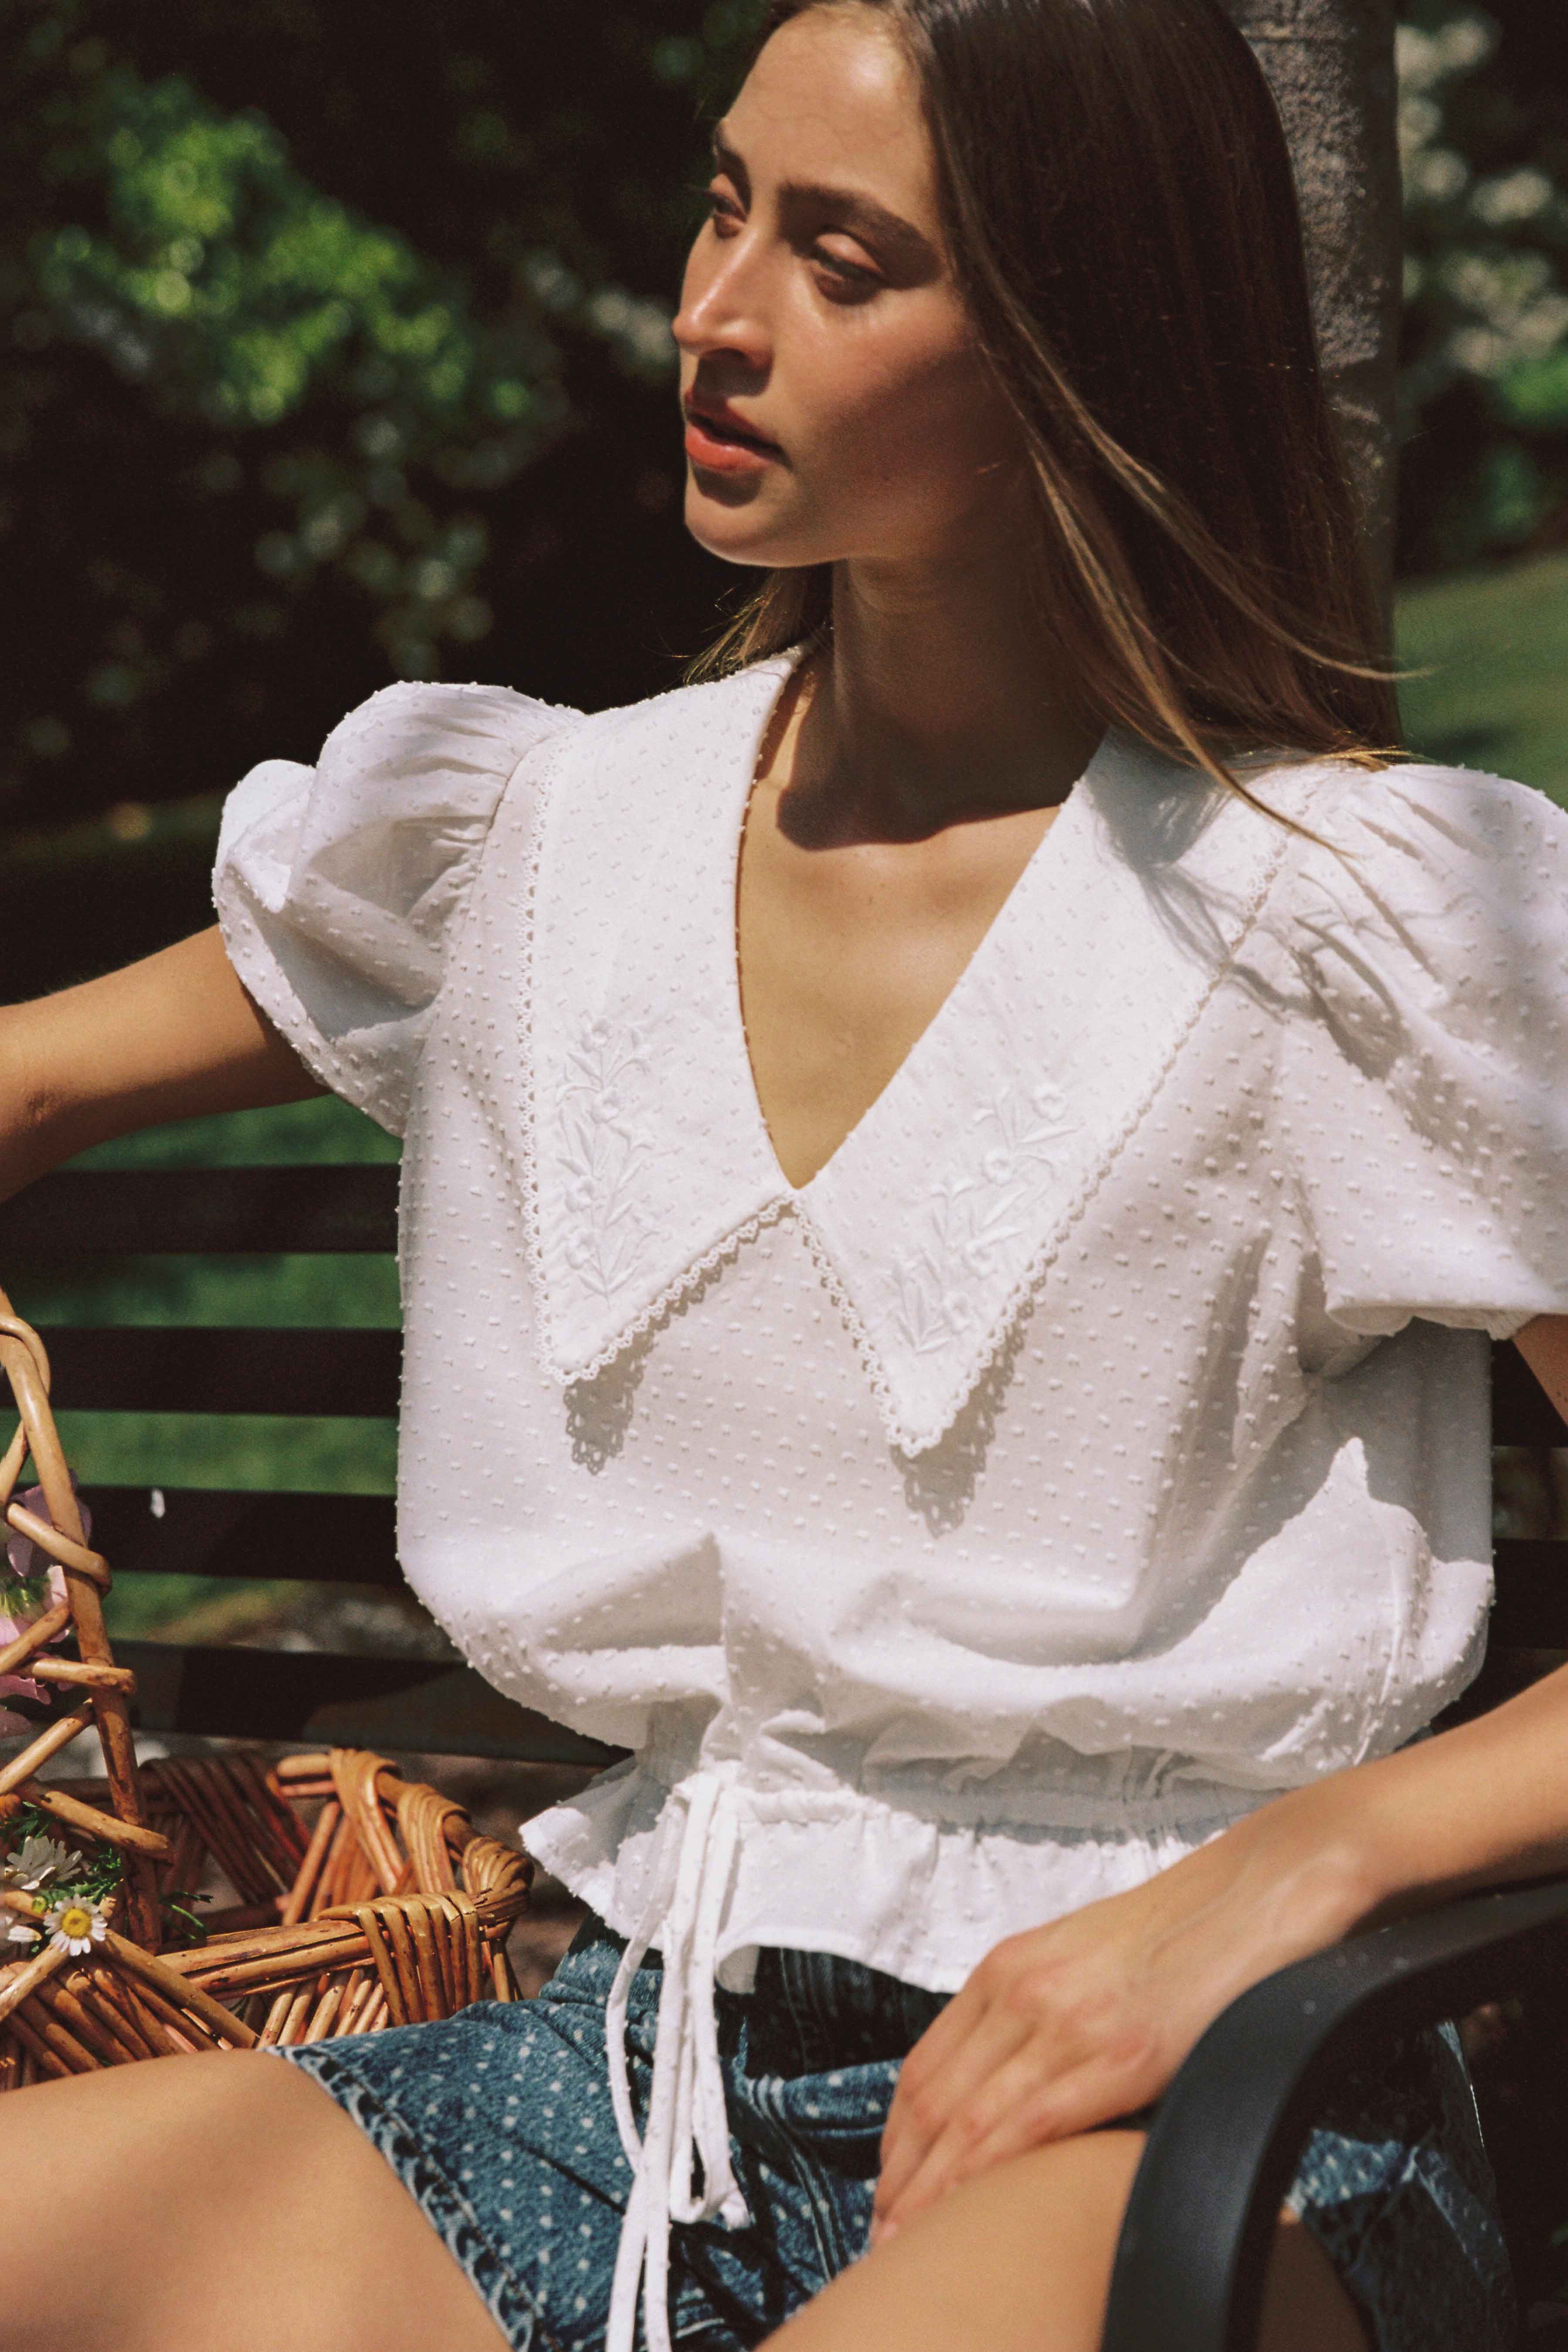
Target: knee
[[166, 2127], [216, 2122], [143, 2182]]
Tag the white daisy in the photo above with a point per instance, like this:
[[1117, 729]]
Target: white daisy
[[38, 1861], [78, 1924]]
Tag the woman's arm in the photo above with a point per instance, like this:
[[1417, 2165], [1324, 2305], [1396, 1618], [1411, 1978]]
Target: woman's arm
[[1070, 2025], [171, 1037]]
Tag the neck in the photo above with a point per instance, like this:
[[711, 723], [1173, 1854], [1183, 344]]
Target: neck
[[943, 700]]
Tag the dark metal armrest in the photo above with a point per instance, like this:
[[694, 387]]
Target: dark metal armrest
[[1224, 2145]]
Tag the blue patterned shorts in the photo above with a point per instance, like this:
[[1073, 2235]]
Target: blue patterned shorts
[[499, 2122]]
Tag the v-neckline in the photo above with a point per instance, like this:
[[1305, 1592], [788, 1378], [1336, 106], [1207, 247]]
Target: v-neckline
[[789, 666], [648, 1161]]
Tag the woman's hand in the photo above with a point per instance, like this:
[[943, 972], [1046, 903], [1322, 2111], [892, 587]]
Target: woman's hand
[[1072, 2025], [1067, 2026]]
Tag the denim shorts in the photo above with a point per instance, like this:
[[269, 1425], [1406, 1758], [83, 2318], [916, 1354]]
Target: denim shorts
[[499, 2122]]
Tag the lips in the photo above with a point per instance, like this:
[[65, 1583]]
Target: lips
[[722, 423], [722, 441]]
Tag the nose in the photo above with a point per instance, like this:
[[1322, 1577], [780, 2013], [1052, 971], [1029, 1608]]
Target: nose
[[722, 310]]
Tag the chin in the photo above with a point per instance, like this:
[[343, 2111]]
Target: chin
[[729, 520]]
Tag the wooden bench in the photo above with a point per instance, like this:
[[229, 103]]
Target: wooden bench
[[1189, 2272], [318, 1696]]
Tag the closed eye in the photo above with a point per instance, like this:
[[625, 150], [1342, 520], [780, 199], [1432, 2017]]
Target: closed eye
[[852, 277], [718, 203], [850, 280], [809, 210]]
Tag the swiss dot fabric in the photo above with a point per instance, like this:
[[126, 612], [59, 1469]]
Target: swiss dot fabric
[[1095, 1447]]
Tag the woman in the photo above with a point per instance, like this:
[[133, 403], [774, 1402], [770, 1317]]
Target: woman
[[955, 1180]]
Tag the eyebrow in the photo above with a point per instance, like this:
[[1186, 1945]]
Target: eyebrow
[[900, 239]]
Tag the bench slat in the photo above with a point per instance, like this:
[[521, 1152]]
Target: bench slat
[[230, 1369], [141, 1211], [206, 1531], [352, 1540], [187, 1368], [323, 1695], [410, 1705]]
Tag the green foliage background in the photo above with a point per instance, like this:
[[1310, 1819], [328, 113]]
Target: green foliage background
[[337, 349], [1484, 389]]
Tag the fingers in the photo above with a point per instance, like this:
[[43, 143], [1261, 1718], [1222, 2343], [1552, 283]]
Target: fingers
[[934, 2085], [1025, 2055], [1005, 2004], [1026, 2104], [1067, 2026]]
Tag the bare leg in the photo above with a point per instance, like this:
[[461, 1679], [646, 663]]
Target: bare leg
[[1020, 2261], [224, 2202]]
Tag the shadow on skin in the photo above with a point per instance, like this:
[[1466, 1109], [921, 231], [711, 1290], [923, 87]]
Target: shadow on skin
[[1020, 2260], [224, 2203]]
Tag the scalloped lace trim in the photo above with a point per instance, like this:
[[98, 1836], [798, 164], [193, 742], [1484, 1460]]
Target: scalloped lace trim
[[693, 1273], [607, 1191], [860, 1339]]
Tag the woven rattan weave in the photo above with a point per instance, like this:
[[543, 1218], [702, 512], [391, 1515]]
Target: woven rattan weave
[[361, 1899]]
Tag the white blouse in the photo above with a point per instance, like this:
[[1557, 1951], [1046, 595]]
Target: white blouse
[[1097, 1446]]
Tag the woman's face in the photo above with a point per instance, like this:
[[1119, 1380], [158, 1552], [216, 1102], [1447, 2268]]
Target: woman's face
[[819, 318]]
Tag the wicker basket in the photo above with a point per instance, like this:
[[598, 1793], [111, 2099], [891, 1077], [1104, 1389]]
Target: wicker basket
[[362, 1900]]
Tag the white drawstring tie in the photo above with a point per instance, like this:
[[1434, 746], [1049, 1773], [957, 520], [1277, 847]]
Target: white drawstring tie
[[685, 2113]]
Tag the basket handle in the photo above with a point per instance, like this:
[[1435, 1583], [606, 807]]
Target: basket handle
[[63, 1538]]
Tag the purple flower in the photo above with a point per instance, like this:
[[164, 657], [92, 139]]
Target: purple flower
[[22, 1554]]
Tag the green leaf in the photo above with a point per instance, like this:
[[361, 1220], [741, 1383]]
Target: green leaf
[[1533, 392]]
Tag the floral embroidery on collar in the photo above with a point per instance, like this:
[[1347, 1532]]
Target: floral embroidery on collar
[[601, 1158], [965, 1220]]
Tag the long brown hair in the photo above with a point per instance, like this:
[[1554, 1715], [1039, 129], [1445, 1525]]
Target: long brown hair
[[1118, 203]]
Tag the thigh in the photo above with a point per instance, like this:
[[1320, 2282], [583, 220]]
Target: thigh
[[223, 2202], [499, 2122], [1048, 2222]]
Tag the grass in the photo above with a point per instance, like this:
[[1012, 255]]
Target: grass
[[294, 1135], [1495, 644], [300, 1290]]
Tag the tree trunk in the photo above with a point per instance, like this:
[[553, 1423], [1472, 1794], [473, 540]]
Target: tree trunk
[[1330, 64]]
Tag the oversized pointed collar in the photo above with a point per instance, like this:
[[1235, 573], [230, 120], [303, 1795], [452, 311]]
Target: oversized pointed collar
[[649, 1154]]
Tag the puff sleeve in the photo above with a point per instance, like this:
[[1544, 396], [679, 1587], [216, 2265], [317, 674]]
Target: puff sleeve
[[338, 887], [1423, 1097]]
